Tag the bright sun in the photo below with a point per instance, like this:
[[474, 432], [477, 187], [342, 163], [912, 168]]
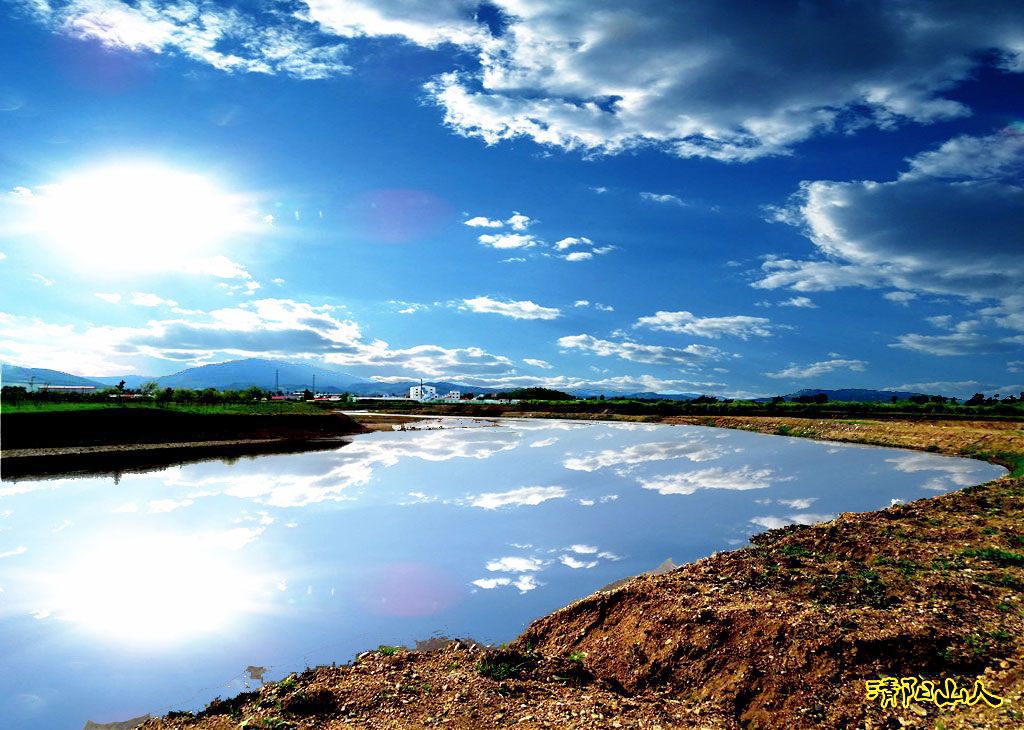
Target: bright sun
[[136, 215]]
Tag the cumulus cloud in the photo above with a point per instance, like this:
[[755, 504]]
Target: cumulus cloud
[[202, 32], [655, 354], [515, 564], [695, 450], [513, 309], [664, 198], [530, 496], [482, 222], [517, 221], [273, 328], [623, 383], [743, 478], [740, 326], [947, 225], [805, 518], [143, 299], [508, 240], [543, 364], [900, 297], [801, 302], [489, 583], [965, 338], [604, 76], [818, 368]]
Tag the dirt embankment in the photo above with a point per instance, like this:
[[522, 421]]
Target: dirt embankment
[[782, 633], [127, 439]]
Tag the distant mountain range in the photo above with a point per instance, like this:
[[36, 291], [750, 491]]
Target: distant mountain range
[[859, 395], [239, 374]]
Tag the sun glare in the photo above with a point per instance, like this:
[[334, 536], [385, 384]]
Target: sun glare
[[137, 215], [148, 589]]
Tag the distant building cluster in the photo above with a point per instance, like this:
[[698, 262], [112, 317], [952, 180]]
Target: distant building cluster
[[429, 393]]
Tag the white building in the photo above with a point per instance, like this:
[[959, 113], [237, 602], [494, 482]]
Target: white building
[[452, 395], [423, 392]]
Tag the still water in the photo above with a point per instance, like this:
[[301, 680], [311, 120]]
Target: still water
[[157, 592]]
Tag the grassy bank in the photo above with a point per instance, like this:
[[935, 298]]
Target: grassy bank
[[268, 408], [782, 633]]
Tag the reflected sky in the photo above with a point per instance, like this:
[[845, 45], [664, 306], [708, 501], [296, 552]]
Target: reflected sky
[[155, 593]]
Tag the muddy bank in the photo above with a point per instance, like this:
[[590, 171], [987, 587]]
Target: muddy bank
[[112, 441], [782, 633]]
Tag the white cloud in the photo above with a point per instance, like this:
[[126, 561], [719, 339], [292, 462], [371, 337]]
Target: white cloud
[[579, 256], [543, 364], [581, 303], [200, 32], [583, 549], [530, 496], [818, 368], [622, 383], [489, 583], [712, 478], [142, 299], [526, 583], [508, 240], [43, 279], [900, 297], [966, 338], [167, 505], [112, 298], [741, 326], [774, 523], [1015, 366], [798, 503], [607, 76], [572, 562], [544, 442], [695, 450], [128, 507], [513, 309], [16, 551], [517, 221], [572, 241], [515, 564], [262, 328], [803, 302], [664, 198], [655, 354], [948, 225], [482, 222]]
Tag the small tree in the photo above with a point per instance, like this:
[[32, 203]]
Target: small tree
[[149, 388]]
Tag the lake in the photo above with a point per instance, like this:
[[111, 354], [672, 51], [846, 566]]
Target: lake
[[159, 590]]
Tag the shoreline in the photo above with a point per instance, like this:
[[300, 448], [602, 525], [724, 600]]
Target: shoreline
[[781, 633], [113, 441]]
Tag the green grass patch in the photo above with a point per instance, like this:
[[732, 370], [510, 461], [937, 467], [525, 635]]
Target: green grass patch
[[995, 555], [256, 409], [385, 650]]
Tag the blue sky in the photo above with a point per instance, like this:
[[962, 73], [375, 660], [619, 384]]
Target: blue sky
[[729, 197]]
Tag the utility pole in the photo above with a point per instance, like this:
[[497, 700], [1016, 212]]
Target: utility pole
[[277, 384], [314, 382]]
